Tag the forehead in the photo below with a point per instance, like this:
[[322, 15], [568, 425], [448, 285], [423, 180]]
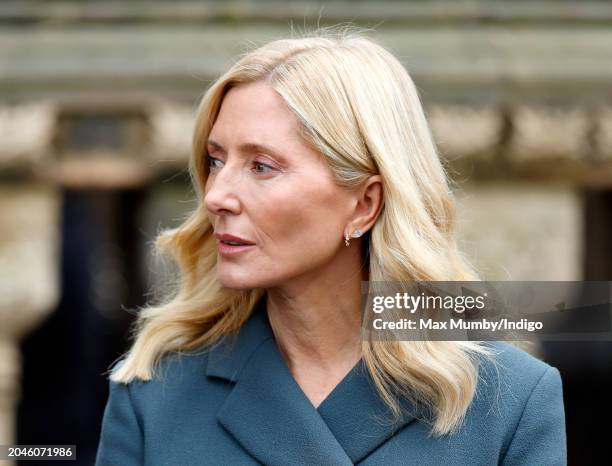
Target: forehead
[[255, 111]]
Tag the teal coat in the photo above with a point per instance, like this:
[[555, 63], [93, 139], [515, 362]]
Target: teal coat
[[238, 404]]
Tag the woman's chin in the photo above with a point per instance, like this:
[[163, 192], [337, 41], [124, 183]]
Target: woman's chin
[[234, 282]]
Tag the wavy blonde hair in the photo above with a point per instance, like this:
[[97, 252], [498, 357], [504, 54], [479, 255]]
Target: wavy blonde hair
[[358, 107]]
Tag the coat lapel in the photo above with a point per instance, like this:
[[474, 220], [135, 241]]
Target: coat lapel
[[357, 416], [271, 417]]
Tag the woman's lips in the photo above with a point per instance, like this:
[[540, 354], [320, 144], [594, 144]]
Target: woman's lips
[[228, 249]]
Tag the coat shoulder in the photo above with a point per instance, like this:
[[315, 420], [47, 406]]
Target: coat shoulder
[[512, 379], [515, 362], [137, 409], [526, 394], [174, 372], [513, 372]]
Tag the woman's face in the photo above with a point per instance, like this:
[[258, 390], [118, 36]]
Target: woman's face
[[267, 187]]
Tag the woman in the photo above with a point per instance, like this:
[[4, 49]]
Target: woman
[[315, 169]]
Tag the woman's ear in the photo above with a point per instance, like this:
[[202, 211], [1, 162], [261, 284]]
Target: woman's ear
[[370, 200]]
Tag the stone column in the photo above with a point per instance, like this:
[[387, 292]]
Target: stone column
[[29, 289], [29, 243]]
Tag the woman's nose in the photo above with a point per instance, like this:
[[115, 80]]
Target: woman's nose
[[222, 191]]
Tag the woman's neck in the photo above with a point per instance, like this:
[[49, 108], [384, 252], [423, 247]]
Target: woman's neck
[[318, 325]]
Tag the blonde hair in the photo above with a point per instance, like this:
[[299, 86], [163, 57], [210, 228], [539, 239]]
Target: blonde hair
[[358, 107]]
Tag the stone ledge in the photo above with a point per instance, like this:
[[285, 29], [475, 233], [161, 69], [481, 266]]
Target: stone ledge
[[541, 142], [479, 63], [181, 11]]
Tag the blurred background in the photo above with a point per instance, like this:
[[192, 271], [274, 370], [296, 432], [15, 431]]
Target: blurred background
[[97, 100]]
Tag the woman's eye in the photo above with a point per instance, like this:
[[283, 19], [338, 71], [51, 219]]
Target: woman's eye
[[259, 164], [211, 161], [260, 167]]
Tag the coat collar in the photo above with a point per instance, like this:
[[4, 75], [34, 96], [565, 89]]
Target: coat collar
[[271, 417]]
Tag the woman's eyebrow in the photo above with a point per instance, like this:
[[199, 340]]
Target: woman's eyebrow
[[250, 147]]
